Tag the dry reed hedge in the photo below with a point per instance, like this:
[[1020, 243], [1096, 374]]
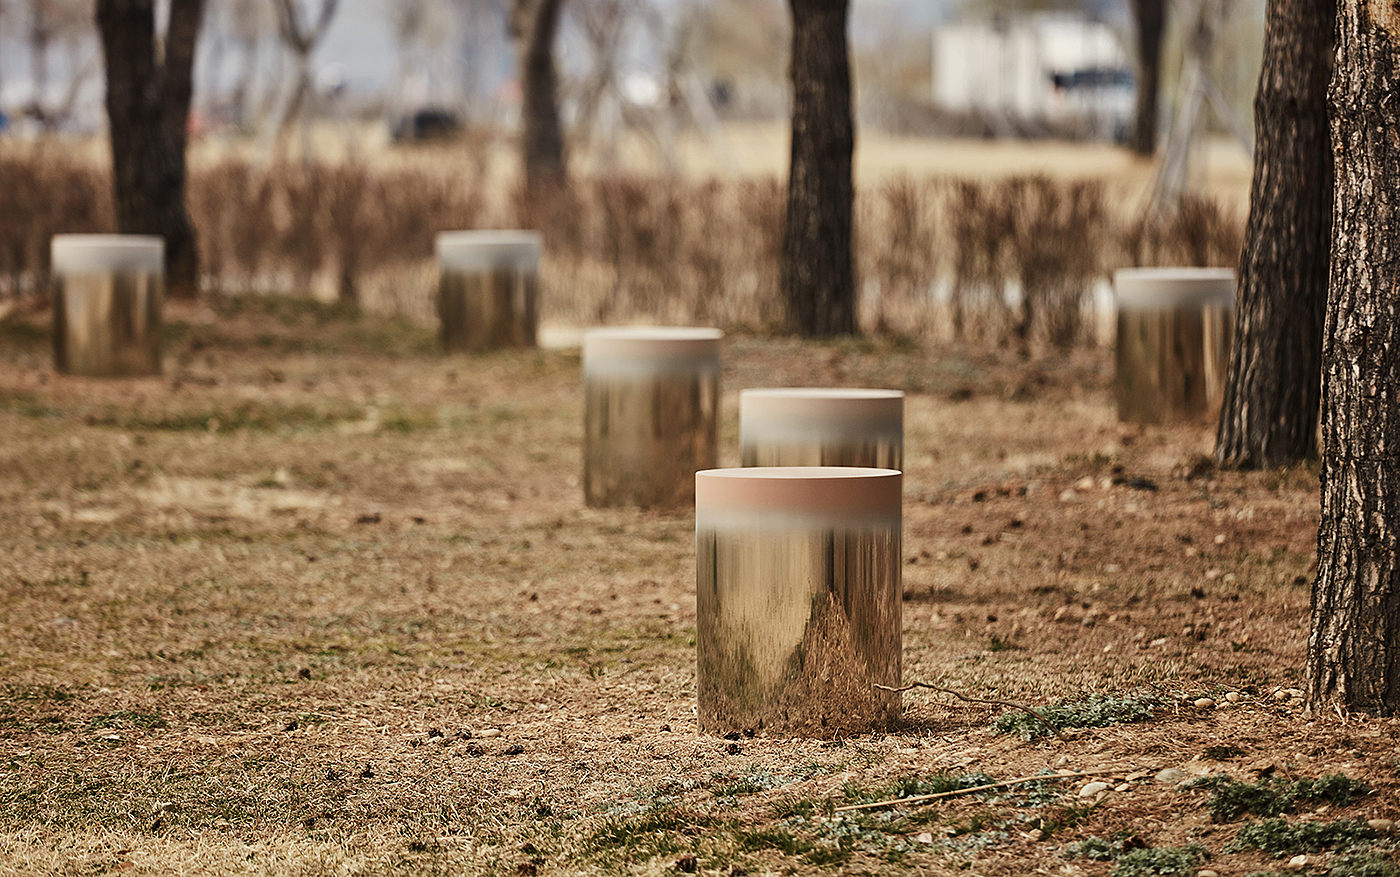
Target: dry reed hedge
[[40, 196], [1012, 261]]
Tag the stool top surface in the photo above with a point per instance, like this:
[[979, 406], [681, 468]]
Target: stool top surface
[[485, 249], [100, 253], [1171, 287], [845, 490], [644, 347]]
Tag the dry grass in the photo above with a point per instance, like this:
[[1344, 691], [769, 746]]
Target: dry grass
[[265, 615], [1009, 261]]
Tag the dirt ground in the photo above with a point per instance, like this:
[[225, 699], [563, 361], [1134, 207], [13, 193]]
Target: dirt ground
[[319, 601]]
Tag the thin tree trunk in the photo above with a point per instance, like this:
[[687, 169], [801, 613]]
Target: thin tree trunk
[[181, 38], [1354, 646], [148, 164], [534, 24], [1149, 17], [1269, 415], [818, 271]]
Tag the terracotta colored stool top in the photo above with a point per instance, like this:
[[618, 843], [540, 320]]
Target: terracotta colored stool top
[[797, 495]]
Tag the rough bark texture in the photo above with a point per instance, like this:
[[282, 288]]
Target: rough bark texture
[[533, 25], [1149, 17], [147, 105], [818, 271], [1354, 646], [1269, 417]]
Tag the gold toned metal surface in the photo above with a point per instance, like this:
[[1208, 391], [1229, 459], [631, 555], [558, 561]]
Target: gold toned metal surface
[[488, 308], [799, 611], [1174, 331], [880, 454], [821, 426], [1171, 364], [108, 324], [646, 435]]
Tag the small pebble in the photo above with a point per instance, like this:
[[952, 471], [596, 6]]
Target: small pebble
[[1092, 789], [1207, 873], [487, 732], [1121, 787], [1219, 538], [1169, 776], [1233, 697], [1382, 826], [1298, 862], [1068, 496], [925, 838], [1085, 483], [1205, 703]]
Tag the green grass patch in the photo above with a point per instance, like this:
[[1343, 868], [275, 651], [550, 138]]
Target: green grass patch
[[772, 839], [1102, 849], [126, 719], [1368, 865], [24, 335], [660, 830], [1099, 711], [43, 693], [1056, 818], [26, 404], [1282, 838], [1231, 799], [1180, 861], [256, 416], [289, 310]]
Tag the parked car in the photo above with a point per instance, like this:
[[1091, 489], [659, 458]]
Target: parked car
[[431, 123]]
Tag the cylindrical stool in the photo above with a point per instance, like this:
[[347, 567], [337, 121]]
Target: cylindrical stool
[[810, 426], [651, 414], [1174, 328], [107, 304], [798, 596], [488, 289]]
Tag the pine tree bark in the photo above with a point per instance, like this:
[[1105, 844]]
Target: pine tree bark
[[1272, 390], [818, 270], [533, 26], [1354, 645], [1149, 18], [148, 102]]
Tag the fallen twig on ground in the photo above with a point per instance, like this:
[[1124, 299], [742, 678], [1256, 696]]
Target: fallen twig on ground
[[923, 799], [1006, 703]]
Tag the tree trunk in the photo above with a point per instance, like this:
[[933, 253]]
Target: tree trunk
[[533, 25], [818, 271], [144, 100], [1354, 646], [1150, 18], [1269, 416]]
